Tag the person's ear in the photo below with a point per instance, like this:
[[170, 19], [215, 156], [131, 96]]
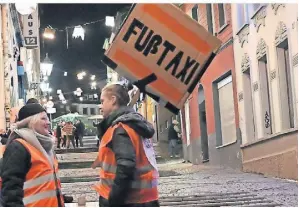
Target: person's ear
[[113, 99]]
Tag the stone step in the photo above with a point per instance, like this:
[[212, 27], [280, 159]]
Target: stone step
[[207, 199], [203, 197], [96, 204], [272, 204], [77, 150], [75, 165], [224, 204], [212, 201], [90, 178], [213, 194]]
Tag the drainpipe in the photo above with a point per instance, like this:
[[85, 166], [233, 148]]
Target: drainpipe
[[2, 96], [5, 61]]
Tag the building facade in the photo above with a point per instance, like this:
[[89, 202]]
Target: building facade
[[86, 109], [266, 60], [19, 65], [210, 118]]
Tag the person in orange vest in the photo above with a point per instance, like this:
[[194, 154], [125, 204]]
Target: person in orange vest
[[29, 168], [128, 170]]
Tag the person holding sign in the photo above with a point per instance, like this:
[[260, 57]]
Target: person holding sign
[[128, 174]]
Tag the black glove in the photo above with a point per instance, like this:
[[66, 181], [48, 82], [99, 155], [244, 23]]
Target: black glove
[[67, 199]]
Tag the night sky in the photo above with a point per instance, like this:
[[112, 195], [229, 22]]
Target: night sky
[[81, 55]]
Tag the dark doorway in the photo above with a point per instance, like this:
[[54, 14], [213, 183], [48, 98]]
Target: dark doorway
[[203, 125]]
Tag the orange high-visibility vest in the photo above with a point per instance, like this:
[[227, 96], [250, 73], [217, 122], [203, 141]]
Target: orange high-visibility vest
[[42, 187], [144, 186]]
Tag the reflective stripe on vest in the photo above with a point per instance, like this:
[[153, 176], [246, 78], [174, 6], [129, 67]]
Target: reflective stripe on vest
[[136, 184], [112, 168], [39, 196], [37, 181]]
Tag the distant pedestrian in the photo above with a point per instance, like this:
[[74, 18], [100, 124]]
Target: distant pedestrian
[[58, 134], [99, 132], [80, 128], [63, 135], [173, 139], [69, 129]]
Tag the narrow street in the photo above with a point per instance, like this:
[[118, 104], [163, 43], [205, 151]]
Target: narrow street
[[208, 91], [184, 184]]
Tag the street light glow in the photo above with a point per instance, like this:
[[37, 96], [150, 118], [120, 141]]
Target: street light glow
[[46, 66], [26, 8], [79, 32], [81, 98], [109, 21], [93, 85], [49, 33], [93, 77], [65, 74]]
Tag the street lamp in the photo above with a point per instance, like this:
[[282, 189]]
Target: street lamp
[[93, 77], [46, 66], [78, 91], [49, 33], [81, 99], [26, 8]]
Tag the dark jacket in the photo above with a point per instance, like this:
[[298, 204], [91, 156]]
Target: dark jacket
[[58, 131], [125, 156], [172, 134], [80, 127], [99, 129], [13, 173]]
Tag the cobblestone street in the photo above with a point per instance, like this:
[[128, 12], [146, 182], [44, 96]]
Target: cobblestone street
[[184, 184]]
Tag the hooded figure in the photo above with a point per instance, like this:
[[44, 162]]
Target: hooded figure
[[29, 169], [126, 156]]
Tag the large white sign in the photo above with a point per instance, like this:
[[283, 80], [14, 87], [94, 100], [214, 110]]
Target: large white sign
[[163, 52], [30, 30]]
